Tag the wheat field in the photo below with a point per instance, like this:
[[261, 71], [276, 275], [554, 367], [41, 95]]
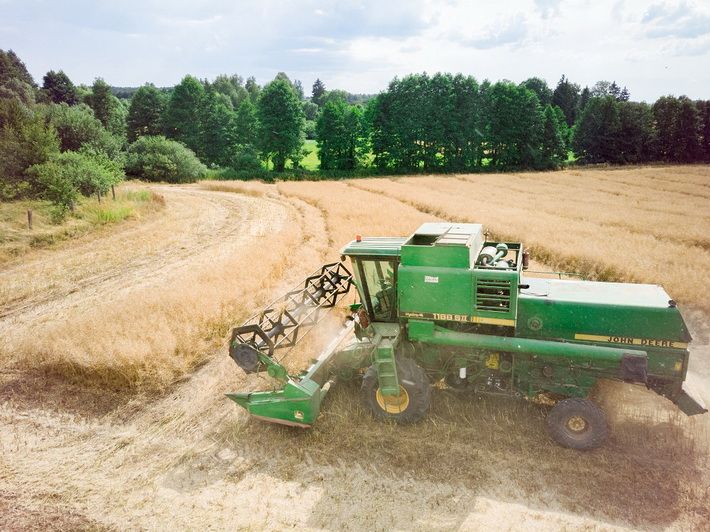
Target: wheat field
[[114, 366]]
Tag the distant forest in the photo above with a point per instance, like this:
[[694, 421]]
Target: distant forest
[[60, 140]]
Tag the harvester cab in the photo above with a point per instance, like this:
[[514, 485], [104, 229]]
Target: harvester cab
[[446, 304]]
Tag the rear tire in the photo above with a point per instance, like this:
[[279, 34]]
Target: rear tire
[[415, 394], [577, 423]]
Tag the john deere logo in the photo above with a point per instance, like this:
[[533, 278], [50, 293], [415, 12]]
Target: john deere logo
[[534, 323]]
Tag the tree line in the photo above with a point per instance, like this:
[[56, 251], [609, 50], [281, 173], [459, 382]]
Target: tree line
[[59, 140], [453, 123]]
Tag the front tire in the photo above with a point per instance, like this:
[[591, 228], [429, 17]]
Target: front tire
[[414, 398], [578, 424]]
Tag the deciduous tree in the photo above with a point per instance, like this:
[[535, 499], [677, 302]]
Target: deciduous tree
[[78, 128], [145, 112], [704, 115], [687, 135], [100, 101], [338, 133], [679, 129], [245, 124], [253, 89], [515, 126], [596, 134], [554, 145], [183, 115], [280, 123], [539, 86], [216, 135], [637, 141], [232, 87]]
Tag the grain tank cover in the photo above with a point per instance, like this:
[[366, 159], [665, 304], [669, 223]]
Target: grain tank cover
[[443, 244]]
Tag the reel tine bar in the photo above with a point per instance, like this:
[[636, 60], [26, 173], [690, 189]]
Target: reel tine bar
[[290, 317]]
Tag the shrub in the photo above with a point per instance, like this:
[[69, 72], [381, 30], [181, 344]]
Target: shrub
[[155, 158], [66, 175], [77, 127]]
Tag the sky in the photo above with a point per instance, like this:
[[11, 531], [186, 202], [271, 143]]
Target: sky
[[653, 48]]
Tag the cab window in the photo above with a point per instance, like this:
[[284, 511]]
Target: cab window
[[379, 280]]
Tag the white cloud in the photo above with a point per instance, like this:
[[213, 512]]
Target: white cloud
[[502, 32], [548, 8], [360, 45], [683, 21]]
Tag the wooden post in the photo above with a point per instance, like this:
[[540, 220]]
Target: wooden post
[[113, 193], [29, 219], [98, 195]]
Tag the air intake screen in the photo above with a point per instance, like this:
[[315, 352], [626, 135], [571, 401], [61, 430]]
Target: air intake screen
[[493, 295]]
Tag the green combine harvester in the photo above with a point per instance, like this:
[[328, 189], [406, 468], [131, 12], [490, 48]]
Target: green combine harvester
[[447, 305]]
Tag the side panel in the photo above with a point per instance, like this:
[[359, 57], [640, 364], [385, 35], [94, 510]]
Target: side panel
[[457, 294], [660, 332], [434, 290]]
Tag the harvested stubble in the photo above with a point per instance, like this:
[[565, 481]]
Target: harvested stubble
[[164, 307], [472, 463]]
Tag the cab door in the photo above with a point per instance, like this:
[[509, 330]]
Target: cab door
[[377, 280]]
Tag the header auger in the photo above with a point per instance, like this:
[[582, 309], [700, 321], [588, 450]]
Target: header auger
[[445, 304]]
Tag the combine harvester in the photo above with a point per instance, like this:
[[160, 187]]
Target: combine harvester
[[445, 304]]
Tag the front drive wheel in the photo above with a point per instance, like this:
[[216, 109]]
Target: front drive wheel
[[577, 423], [413, 400]]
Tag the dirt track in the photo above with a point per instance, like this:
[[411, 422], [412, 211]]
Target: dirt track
[[197, 226], [193, 460]]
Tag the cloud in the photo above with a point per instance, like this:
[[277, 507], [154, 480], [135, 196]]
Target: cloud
[[681, 21], [548, 8], [664, 12], [511, 31], [692, 48], [360, 45], [344, 21]]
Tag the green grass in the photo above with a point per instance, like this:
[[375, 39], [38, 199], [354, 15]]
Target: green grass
[[107, 213], [16, 238], [310, 162], [137, 195]]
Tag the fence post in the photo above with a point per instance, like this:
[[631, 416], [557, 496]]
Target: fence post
[[29, 219], [98, 195], [113, 193]]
